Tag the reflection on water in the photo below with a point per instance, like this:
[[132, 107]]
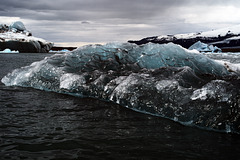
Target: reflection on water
[[44, 125]]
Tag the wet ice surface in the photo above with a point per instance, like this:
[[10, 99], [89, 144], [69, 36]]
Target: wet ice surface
[[36, 124]]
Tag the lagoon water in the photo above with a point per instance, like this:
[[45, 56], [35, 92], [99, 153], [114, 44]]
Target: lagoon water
[[35, 124]]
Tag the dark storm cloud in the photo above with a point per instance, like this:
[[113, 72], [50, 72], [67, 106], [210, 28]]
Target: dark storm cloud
[[82, 9], [107, 20], [92, 10], [77, 10]]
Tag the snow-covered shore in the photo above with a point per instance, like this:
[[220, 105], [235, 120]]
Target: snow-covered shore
[[222, 38]]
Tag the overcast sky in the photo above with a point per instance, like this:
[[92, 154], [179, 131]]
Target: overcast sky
[[77, 22]]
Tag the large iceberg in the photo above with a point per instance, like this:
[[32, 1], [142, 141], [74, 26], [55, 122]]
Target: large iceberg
[[17, 37], [163, 80]]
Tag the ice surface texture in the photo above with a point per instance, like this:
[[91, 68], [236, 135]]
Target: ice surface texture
[[164, 80]]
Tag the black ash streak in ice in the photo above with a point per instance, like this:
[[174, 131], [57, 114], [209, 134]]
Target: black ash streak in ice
[[163, 80]]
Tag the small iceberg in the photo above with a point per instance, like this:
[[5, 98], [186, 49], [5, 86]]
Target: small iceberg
[[203, 47], [7, 50]]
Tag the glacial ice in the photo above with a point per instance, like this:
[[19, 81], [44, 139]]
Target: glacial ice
[[163, 80], [149, 56], [9, 51], [18, 25], [203, 47]]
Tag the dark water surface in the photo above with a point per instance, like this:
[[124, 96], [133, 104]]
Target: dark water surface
[[36, 124]]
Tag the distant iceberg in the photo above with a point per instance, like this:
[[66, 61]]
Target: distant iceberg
[[203, 47], [164, 80], [17, 37], [8, 51]]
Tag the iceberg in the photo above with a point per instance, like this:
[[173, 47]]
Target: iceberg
[[164, 80], [17, 37], [8, 51], [203, 47]]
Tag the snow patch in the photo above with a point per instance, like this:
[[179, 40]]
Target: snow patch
[[231, 67], [214, 33]]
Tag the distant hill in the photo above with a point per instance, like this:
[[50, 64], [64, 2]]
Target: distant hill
[[225, 38]]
